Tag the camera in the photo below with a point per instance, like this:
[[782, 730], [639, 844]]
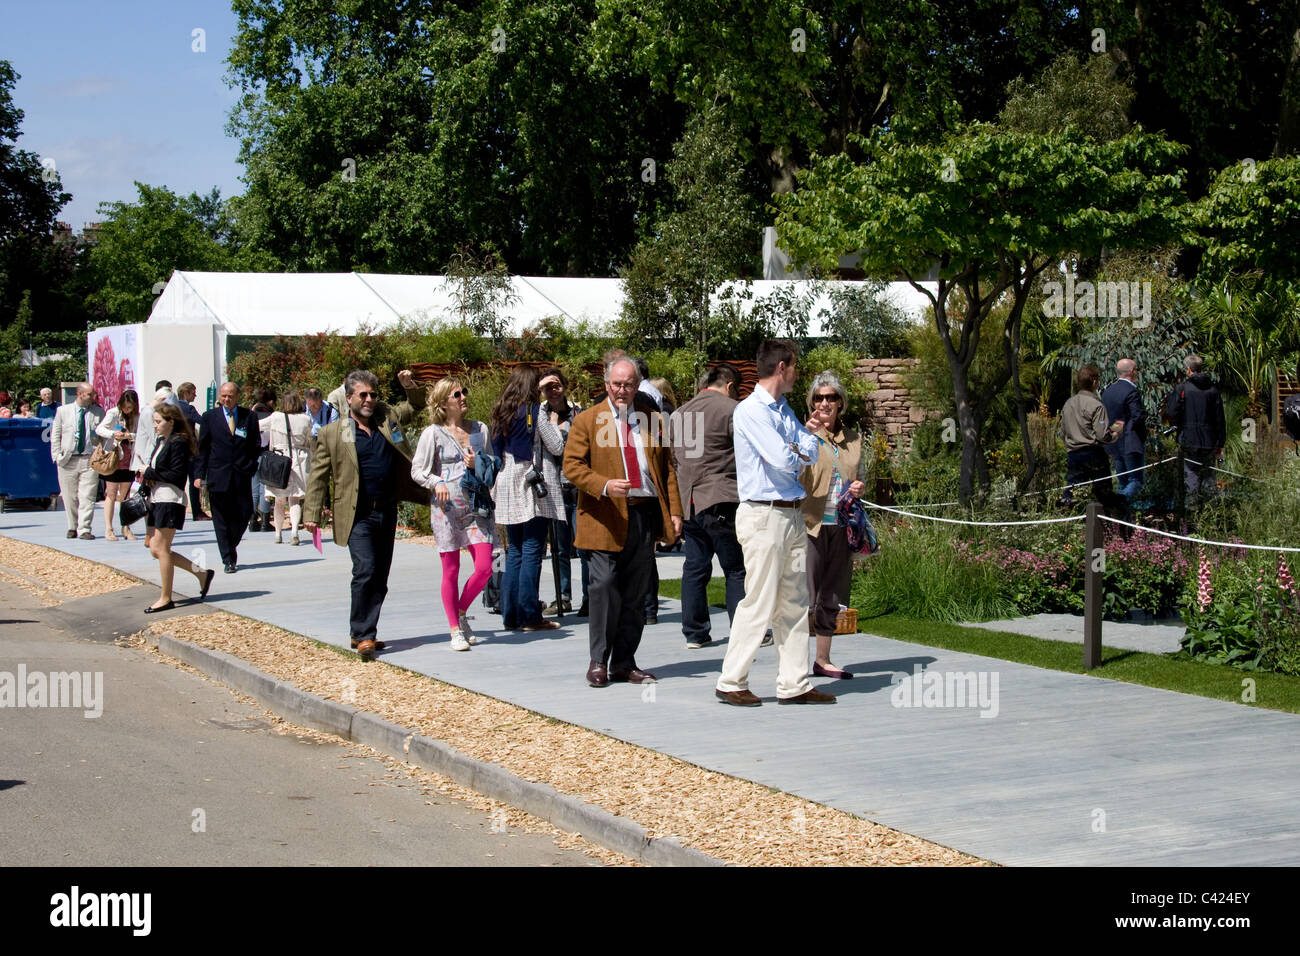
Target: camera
[[536, 483]]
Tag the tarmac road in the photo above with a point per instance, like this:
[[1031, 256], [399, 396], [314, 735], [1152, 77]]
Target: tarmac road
[[177, 771]]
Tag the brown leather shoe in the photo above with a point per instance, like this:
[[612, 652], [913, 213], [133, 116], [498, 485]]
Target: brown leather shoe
[[366, 649], [379, 645], [596, 675], [541, 626], [811, 697], [634, 676], [741, 698]]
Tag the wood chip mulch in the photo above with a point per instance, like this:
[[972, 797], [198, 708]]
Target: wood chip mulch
[[65, 574], [734, 820]]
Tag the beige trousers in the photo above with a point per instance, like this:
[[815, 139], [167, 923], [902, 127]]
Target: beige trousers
[[775, 544], [79, 486]]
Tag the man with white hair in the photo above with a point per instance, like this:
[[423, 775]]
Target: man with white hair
[[48, 406], [627, 498], [1123, 403]]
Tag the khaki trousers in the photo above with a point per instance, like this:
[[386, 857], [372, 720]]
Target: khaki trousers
[[775, 545], [79, 486]]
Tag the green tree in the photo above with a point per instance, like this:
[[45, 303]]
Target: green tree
[[31, 195], [711, 236], [381, 136], [142, 243], [480, 286], [993, 210]]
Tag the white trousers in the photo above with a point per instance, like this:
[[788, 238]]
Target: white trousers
[[775, 544], [79, 485]]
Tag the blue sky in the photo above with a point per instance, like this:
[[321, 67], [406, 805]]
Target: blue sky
[[114, 92]]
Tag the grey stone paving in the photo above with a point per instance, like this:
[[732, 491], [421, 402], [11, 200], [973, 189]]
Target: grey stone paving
[[1073, 770], [1158, 638]]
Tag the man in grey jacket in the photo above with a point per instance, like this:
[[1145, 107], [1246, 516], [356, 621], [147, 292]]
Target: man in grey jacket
[[1086, 434], [704, 455]]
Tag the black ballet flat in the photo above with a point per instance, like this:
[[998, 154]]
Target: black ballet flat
[[207, 583], [166, 607]]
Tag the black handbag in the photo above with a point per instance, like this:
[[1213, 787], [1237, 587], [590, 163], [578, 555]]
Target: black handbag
[[274, 469], [133, 508]]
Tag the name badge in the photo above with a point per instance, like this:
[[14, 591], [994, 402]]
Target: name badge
[[241, 432], [397, 435]]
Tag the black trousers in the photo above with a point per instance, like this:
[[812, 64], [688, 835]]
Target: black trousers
[[617, 590], [707, 533], [371, 547], [230, 514]]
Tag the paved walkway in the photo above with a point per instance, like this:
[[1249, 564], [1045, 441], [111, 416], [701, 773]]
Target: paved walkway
[[1064, 769], [1155, 638]]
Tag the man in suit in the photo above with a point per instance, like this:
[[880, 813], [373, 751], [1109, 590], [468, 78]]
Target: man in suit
[[229, 447], [72, 441], [704, 455], [368, 457], [627, 498], [1123, 403]]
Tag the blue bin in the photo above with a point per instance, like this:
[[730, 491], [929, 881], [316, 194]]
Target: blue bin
[[26, 470]]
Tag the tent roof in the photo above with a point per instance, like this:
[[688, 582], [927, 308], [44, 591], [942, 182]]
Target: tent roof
[[261, 303]]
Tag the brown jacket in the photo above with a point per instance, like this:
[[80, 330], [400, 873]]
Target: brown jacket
[[816, 478], [593, 456], [335, 456], [704, 450]]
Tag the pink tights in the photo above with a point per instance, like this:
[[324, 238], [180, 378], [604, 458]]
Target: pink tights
[[482, 554]]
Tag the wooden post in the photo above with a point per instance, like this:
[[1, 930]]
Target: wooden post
[[1094, 561]]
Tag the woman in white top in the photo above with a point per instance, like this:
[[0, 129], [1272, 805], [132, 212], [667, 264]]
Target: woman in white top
[[119, 426], [446, 450], [288, 432]]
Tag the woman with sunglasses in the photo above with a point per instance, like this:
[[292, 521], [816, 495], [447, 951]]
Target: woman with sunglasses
[[446, 450], [830, 563]]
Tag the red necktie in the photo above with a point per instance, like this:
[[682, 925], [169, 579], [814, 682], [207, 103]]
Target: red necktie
[[629, 457]]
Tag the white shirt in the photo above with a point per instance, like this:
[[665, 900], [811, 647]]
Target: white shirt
[[635, 420]]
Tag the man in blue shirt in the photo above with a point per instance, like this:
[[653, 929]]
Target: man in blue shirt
[[48, 406], [772, 448]]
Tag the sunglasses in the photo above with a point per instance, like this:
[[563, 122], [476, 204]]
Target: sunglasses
[[460, 392], [366, 394], [818, 399]]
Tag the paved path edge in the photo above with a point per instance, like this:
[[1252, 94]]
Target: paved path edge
[[562, 810]]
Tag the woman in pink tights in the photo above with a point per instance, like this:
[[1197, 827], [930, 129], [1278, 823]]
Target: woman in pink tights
[[446, 449]]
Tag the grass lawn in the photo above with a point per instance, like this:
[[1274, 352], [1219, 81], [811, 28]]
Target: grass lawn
[[1272, 691]]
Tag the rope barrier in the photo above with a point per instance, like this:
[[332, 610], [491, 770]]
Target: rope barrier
[[1181, 537], [988, 524]]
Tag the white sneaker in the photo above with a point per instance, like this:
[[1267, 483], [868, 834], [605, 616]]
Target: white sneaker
[[468, 631], [458, 642]]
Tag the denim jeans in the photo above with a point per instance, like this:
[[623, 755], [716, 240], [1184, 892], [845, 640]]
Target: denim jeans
[[261, 504], [523, 573], [705, 535], [1130, 486], [371, 547]]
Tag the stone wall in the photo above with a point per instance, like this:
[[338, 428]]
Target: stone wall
[[890, 408]]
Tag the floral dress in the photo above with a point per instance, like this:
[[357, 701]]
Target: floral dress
[[438, 456]]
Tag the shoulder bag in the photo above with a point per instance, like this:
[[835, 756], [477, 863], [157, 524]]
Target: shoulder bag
[[274, 469]]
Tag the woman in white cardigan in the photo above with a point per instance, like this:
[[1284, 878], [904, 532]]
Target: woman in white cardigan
[[288, 431]]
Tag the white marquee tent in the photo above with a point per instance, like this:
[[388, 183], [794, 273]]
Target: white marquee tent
[[197, 311]]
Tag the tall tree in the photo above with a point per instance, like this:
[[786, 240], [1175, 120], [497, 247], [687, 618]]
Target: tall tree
[[31, 195], [142, 243], [994, 211], [381, 136]]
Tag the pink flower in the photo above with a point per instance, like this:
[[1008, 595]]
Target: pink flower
[[1204, 590]]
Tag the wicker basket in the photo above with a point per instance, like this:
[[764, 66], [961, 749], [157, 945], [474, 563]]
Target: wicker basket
[[846, 622]]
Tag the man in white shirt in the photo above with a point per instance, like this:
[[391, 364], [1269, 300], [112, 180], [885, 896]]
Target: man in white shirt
[[72, 440], [772, 448]]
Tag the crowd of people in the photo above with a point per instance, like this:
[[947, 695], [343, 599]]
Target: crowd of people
[[769, 496], [1110, 429]]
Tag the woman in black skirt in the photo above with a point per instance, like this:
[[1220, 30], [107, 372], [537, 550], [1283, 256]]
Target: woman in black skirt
[[120, 425], [168, 471]]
